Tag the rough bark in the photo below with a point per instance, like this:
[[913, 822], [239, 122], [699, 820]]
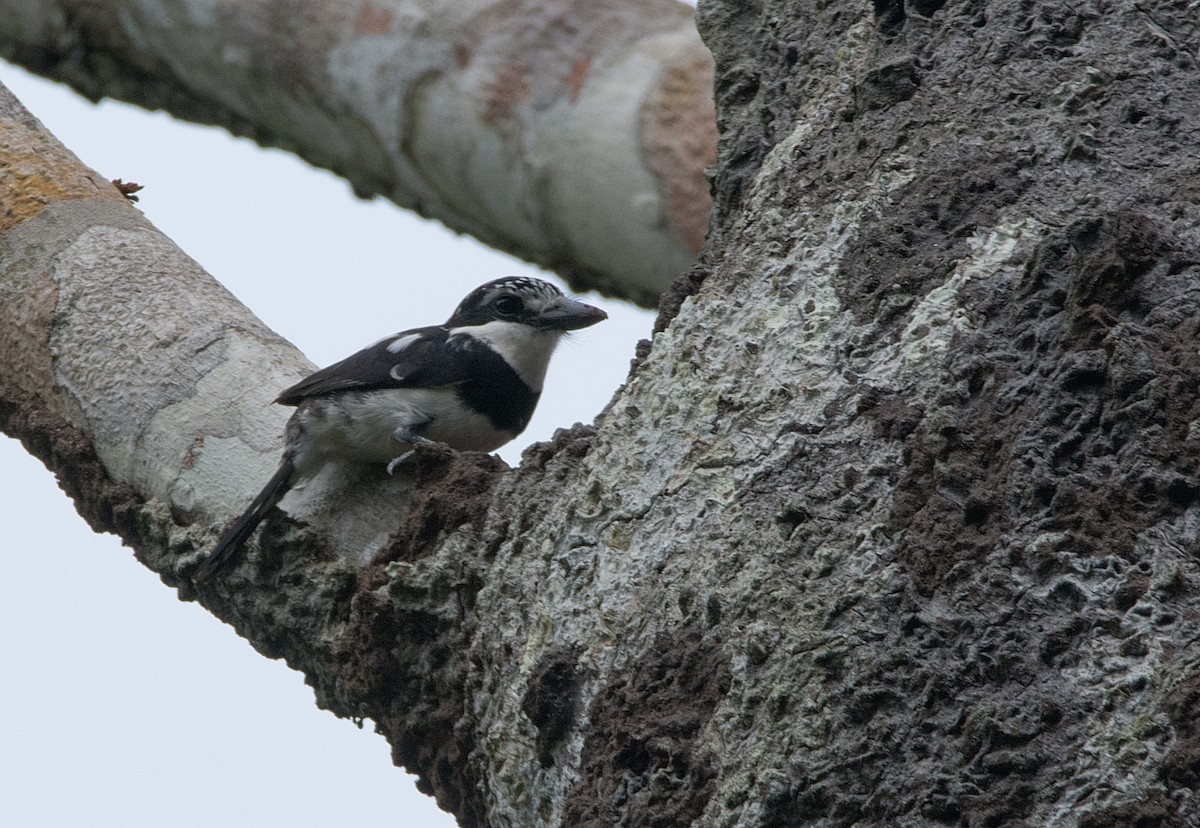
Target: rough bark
[[896, 522], [573, 134], [956, 563]]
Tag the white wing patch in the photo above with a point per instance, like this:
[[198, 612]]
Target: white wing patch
[[400, 343]]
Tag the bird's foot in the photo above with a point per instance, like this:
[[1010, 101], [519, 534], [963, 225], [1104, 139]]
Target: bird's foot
[[396, 461], [404, 435]]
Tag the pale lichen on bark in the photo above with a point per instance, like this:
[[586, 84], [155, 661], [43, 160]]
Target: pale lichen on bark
[[114, 334]]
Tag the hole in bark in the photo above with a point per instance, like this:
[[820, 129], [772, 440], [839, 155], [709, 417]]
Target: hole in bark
[[889, 15]]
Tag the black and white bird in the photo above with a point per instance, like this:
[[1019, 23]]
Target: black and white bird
[[471, 384]]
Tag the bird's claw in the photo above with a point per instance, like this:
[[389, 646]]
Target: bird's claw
[[404, 435], [396, 461]]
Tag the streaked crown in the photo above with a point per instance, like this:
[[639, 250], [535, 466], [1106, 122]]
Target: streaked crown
[[509, 299]]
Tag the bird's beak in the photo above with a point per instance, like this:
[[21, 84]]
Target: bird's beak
[[570, 315]]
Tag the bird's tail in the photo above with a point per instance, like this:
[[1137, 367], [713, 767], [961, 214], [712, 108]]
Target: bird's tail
[[231, 542]]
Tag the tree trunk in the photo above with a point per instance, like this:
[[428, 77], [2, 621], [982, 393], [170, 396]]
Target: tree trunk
[[573, 134], [896, 522]]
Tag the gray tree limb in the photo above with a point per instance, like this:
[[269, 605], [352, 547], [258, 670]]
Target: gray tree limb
[[572, 134]]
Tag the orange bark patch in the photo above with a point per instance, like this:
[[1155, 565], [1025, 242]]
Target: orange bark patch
[[35, 173], [578, 75], [508, 88], [25, 197], [679, 139], [373, 20]]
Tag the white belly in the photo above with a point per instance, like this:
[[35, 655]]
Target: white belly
[[361, 426]]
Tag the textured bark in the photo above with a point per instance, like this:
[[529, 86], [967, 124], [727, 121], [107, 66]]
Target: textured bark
[[573, 133], [109, 332], [896, 522]]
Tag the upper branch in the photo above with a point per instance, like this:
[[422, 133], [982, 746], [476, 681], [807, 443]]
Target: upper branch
[[572, 134]]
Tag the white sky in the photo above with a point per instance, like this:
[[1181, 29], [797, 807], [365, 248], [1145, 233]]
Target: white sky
[[119, 704]]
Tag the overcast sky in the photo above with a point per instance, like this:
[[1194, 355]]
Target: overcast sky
[[119, 704]]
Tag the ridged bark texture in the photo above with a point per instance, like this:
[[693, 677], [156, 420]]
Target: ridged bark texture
[[896, 523]]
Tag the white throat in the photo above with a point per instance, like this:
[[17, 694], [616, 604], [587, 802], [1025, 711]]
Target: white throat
[[527, 350]]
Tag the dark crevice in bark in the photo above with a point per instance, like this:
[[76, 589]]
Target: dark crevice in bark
[[1078, 426], [924, 233], [688, 284], [552, 700], [642, 764], [451, 491]]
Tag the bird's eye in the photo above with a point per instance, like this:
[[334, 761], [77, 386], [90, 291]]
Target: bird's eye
[[509, 306]]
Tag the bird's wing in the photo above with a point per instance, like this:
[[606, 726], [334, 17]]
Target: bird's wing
[[400, 361]]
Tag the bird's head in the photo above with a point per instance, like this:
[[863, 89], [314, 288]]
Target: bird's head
[[524, 301]]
